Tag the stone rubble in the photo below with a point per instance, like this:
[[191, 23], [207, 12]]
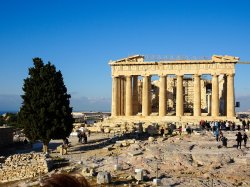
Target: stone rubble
[[22, 166]]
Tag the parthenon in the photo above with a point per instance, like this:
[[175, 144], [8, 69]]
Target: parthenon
[[126, 74]]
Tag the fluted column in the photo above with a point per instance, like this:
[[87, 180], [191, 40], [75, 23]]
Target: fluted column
[[197, 95], [162, 96], [230, 96], [145, 96], [179, 96], [129, 111], [135, 95], [119, 96], [224, 95], [149, 96], [215, 96], [114, 96], [209, 104], [122, 96]]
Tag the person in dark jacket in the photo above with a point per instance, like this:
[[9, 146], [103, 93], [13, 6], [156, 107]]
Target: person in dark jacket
[[239, 139], [245, 137], [224, 141]]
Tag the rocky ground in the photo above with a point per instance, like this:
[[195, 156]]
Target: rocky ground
[[196, 160]]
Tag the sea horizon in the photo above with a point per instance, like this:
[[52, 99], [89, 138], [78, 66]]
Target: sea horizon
[[15, 111]]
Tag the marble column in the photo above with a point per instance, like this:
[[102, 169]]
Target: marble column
[[162, 96], [215, 96], [209, 104], [230, 96], [114, 96], [149, 96], [224, 95], [119, 96], [179, 96], [135, 95], [197, 95], [145, 96], [129, 110]]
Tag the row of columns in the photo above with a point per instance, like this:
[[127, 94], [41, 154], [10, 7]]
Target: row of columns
[[131, 96]]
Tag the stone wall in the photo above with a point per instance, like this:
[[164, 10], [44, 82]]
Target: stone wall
[[6, 136], [22, 166]]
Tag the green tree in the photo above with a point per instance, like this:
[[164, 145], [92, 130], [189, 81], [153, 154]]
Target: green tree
[[45, 113], [11, 119], [1, 121]]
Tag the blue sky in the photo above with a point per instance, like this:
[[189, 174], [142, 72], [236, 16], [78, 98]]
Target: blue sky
[[80, 37]]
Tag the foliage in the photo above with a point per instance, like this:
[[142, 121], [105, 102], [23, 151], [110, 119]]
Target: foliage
[[9, 118], [45, 113], [2, 121]]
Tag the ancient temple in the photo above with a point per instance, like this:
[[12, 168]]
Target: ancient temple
[[181, 91]]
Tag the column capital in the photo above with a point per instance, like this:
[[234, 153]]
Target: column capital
[[214, 74], [196, 75], [179, 75], [230, 75], [162, 75]]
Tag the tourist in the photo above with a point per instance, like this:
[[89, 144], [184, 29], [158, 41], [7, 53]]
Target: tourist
[[202, 124], [84, 137], [207, 126], [212, 125], [247, 125], [79, 135], [162, 131], [244, 124], [65, 180], [245, 137], [220, 135], [216, 134], [230, 126], [224, 141], [233, 126], [223, 126], [238, 127], [180, 130], [227, 126], [189, 130], [239, 139], [65, 143]]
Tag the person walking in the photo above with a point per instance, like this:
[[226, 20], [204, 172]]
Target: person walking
[[224, 141], [216, 133], [180, 130], [162, 131], [239, 139], [220, 135], [245, 137]]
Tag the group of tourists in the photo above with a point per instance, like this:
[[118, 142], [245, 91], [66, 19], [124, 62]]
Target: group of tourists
[[240, 138], [83, 136], [218, 126], [224, 125]]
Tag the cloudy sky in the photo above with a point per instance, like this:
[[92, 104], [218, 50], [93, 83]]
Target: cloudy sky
[[80, 37]]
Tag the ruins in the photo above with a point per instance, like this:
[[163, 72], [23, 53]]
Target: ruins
[[182, 92]]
